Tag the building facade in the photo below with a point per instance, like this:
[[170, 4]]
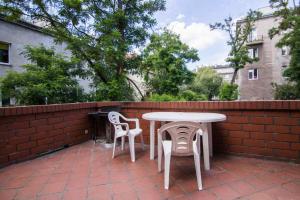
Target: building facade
[[14, 36], [255, 80]]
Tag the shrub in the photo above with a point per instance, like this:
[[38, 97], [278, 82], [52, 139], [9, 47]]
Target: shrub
[[189, 95], [228, 92], [164, 97], [287, 91]]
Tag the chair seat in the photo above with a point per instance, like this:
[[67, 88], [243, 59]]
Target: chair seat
[[121, 133], [135, 131]]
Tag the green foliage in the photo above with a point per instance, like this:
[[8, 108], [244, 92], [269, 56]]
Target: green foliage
[[287, 91], [164, 63], [228, 92], [189, 95], [207, 82], [289, 26], [238, 36], [164, 97], [100, 33], [49, 79], [115, 90], [186, 95]]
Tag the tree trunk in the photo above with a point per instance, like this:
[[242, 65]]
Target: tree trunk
[[234, 76]]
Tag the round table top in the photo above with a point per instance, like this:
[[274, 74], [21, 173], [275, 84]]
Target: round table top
[[184, 116]]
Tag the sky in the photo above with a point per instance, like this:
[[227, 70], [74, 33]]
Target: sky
[[191, 18]]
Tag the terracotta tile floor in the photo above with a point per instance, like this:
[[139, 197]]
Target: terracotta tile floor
[[86, 171]]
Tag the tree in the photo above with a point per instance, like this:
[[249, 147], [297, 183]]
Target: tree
[[289, 28], [207, 82], [100, 33], [238, 36], [49, 79], [228, 92], [164, 63]]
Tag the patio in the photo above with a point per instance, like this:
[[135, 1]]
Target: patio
[[86, 171]]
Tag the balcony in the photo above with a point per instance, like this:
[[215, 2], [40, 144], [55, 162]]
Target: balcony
[[255, 40], [254, 131]]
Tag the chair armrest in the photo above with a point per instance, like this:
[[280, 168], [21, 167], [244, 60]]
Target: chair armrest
[[136, 120], [122, 124]]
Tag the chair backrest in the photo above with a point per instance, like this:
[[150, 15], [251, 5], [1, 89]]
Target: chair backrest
[[114, 118], [182, 136]]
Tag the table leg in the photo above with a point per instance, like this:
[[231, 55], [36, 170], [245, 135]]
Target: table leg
[[209, 131], [206, 147], [152, 139]]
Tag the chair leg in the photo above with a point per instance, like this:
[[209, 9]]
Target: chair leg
[[167, 152], [114, 148], [197, 165], [142, 141], [131, 147], [159, 151], [123, 143]]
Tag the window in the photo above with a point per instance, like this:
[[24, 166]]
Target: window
[[252, 74], [284, 51], [4, 53], [284, 66], [253, 53], [253, 35]]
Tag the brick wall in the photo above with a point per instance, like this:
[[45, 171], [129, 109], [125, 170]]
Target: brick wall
[[269, 129], [26, 132], [257, 128]]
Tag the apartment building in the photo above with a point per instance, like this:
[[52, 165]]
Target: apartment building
[[225, 71], [255, 79], [14, 36]]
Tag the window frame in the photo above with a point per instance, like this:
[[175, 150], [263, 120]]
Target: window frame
[[253, 52], [252, 72], [9, 52]]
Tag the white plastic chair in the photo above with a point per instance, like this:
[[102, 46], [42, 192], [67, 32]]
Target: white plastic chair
[[120, 132], [182, 143]]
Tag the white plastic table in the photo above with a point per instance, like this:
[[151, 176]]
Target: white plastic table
[[205, 118]]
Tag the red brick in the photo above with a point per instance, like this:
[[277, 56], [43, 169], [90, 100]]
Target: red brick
[[237, 119], [21, 155], [254, 143], [45, 141], [277, 129], [229, 126], [286, 153], [279, 145], [261, 135], [295, 146], [237, 149], [26, 131], [239, 134], [295, 129], [38, 122], [39, 135], [39, 149], [7, 149], [286, 121], [44, 128], [286, 138], [26, 145], [259, 151], [254, 113], [55, 120], [19, 125], [235, 141], [18, 140], [253, 127], [261, 120]]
